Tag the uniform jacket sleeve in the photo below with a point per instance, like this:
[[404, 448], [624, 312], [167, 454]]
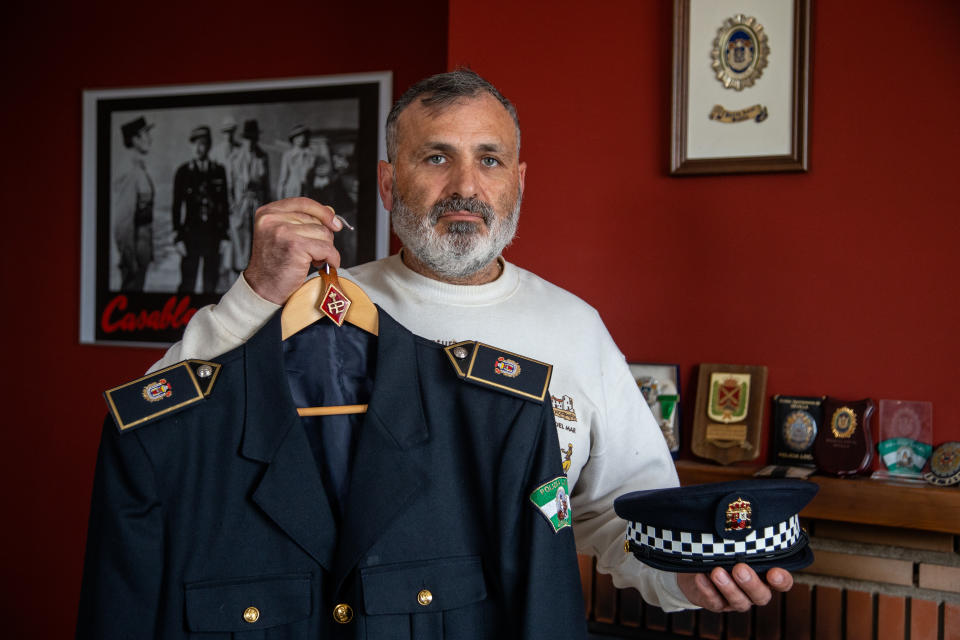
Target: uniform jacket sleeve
[[123, 567], [538, 563]]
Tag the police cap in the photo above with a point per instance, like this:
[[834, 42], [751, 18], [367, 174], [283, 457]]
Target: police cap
[[695, 528]]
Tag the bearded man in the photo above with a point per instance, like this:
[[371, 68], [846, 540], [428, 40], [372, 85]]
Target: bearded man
[[453, 182]]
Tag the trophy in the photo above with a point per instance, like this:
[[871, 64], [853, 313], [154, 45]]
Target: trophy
[[844, 447], [905, 437]]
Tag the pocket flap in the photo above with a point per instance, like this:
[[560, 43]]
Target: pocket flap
[[245, 604], [420, 587]]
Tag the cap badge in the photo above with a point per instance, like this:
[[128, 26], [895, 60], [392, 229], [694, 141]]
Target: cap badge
[[157, 391], [506, 367], [738, 515]]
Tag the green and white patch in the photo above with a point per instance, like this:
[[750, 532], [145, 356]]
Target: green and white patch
[[552, 499]]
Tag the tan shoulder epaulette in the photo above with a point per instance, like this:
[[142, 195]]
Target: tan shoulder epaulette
[[161, 393], [498, 369]]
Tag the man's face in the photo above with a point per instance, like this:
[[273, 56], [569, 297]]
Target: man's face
[[455, 186], [201, 146], [142, 141]]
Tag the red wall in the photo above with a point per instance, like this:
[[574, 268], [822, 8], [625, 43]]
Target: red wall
[[842, 280], [52, 385]]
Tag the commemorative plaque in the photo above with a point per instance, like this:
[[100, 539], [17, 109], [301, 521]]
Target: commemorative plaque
[[660, 386], [944, 469], [904, 436], [728, 418], [796, 421], [844, 446]]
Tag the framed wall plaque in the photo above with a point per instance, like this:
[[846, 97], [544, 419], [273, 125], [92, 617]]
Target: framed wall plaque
[[740, 86], [660, 386], [728, 414]]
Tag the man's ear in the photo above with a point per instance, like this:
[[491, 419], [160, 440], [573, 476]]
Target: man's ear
[[385, 183], [523, 175]]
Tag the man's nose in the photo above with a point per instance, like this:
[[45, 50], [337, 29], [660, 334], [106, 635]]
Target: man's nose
[[463, 181]]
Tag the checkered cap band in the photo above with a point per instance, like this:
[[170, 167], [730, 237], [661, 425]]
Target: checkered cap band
[[685, 545]]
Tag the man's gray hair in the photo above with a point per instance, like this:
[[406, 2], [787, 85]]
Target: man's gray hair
[[442, 90]]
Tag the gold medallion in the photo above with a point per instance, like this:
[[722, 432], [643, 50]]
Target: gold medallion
[[843, 423], [740, 52]]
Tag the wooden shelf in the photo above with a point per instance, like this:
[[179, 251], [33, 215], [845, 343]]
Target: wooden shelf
[[860, 500]]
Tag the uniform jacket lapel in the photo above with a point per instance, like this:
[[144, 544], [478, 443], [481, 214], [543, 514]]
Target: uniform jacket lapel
[[291, 491], [387, 471]]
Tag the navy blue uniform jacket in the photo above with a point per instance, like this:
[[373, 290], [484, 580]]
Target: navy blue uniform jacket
[[200, 515]]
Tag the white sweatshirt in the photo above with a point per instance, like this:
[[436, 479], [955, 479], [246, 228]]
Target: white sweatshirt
[[605, 429]]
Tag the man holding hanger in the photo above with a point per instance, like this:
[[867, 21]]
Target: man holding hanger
[[453, 182]]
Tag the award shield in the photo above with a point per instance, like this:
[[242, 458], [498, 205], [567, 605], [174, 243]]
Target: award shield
[[729, 412], [844, 446]]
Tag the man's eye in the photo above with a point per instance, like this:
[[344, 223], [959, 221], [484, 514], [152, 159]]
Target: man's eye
[[490, 162], [437, 159]]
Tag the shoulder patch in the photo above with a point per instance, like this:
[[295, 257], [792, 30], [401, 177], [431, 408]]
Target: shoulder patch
[[495, 368], [160, 393], [552, 500]]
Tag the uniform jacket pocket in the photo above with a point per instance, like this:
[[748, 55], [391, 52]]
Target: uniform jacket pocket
[[246, 604], [422, 587]]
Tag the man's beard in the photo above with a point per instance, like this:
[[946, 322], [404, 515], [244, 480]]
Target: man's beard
[[464, 249]]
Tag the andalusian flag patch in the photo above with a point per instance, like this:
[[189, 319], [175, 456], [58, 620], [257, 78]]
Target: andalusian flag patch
[[553, 501]]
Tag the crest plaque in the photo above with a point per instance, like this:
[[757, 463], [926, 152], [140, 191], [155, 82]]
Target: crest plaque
[[729, 412], [796, 421], [844, 446]]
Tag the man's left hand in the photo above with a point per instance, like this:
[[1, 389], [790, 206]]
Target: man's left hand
[[737, 590]]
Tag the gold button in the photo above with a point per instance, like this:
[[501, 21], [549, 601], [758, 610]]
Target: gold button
[[342, 613], [626, 546], [425, 597], [251, 614]]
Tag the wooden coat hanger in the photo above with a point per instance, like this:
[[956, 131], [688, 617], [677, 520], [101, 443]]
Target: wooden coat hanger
[[323, 297]]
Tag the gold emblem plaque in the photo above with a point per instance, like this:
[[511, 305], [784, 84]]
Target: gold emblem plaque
[[740, 52]]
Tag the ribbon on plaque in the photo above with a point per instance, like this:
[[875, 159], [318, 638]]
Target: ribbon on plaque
[[757, 112]]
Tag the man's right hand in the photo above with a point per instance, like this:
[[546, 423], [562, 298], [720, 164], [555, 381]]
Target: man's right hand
[[288, 237]]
